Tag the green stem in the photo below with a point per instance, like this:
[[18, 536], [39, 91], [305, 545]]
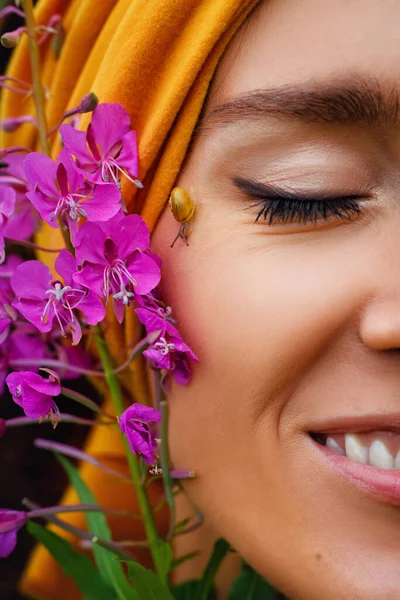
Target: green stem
[[80, 532], [38, 95], [165, 465], [84, 401], [133, 462]]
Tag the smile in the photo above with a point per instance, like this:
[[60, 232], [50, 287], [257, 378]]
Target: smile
[[370, 460]]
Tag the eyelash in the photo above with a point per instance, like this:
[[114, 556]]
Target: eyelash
[[280, 206], [302, 210]]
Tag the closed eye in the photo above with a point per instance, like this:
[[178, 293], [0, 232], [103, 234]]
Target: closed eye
[[281, 206]]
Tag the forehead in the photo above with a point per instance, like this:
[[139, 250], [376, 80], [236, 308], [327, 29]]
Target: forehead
[[289, 41]]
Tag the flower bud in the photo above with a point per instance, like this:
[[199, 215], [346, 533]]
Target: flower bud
[[10, 39], [88, 103], [10, 124], [58, 39]]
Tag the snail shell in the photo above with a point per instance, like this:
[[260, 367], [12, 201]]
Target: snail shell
[[182, 205]]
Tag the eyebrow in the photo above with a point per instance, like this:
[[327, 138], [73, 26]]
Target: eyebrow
[[355, 101]]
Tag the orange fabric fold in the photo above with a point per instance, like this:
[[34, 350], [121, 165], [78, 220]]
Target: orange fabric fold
[[156, 58]]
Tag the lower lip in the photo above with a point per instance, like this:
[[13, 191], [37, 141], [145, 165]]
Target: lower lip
[[380, 483]]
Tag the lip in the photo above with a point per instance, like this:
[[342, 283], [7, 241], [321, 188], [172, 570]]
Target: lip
[[383, 485]]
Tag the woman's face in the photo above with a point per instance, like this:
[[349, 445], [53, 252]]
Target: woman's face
[[295, 318]]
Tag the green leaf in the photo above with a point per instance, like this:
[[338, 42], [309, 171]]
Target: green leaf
[[249, 585], [147, 584], [187, 591], [220, 549], [164, 558], [110, 569], [179, 561], [75, 565]]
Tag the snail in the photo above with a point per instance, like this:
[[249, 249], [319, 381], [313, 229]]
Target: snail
[[183, 208]]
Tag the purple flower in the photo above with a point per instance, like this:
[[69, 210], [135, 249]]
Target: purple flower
[[107, 149], [7, 207], [35, 394], [7, 295], [169, 351], [41, 299], [134, 424], [22, 224], [10, 522], [115, 260], [58, 190]]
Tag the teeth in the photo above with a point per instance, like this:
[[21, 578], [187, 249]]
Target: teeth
[[379, 455], [330, 442], [397, 461], [354, 448]]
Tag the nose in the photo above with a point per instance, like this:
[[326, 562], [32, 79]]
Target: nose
[[380, 323]]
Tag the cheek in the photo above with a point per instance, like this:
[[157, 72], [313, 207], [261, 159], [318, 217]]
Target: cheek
[[257, 314]]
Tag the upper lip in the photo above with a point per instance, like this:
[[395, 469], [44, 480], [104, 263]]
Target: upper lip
[[357, 423]]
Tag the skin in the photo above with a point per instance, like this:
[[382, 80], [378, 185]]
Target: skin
[[293, 325]]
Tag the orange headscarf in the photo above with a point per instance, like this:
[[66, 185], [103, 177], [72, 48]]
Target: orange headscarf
[[156, 58]]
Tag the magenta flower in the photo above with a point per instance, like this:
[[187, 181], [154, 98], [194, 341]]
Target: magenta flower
[[35, 394], [10, 522], [7, 296], [108, 148], [41, 299], [115, 260], [169, 351], [22, 224], [7, 207], [134, 424], [58, 190]]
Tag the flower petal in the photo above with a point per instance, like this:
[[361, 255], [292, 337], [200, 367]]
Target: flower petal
[[104, 203], [89, 244], [41, 171], [23, 223], [7, 200], [129, 157], [145, 271], [75, 142], [92, 308], [110, 122], [33, 312], [129, 234], [45, 206], [91, 276], [66, 266], [31, 280]]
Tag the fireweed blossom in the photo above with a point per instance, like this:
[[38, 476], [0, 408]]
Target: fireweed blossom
[[24, 221], [7, 296], [10, 522], [134, 424], [34, 394], [18, 339], [169, 352], [115, 261], [42, 299], [58, 190], [107, 149]]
